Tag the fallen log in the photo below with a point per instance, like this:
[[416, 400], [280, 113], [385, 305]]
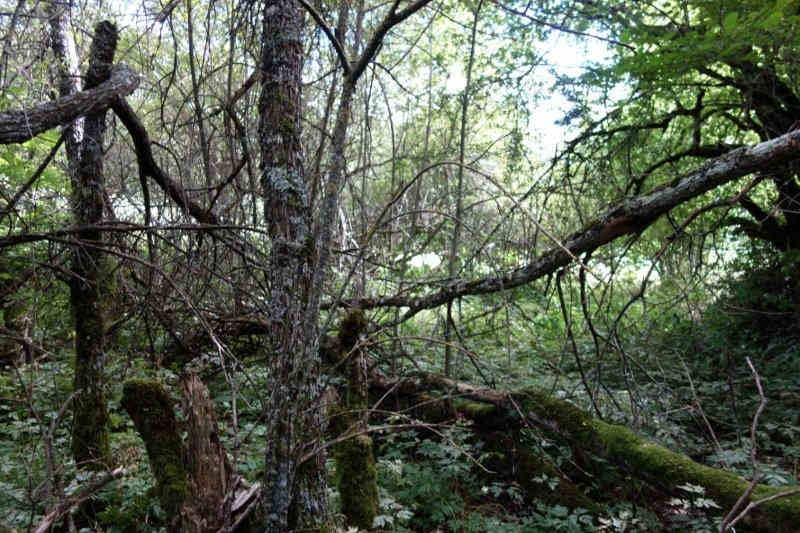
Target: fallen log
[[492, 410]]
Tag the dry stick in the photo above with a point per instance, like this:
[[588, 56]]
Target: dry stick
[[568, 325], [702, 412], [74, 500], [729, 520]]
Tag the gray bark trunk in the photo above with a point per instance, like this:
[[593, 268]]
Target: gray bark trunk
[[293, 418]]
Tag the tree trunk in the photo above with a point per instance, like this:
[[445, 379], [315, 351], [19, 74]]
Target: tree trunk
[[195, 482], [91, 283], [293, 418], [150, 408], [356, 475]]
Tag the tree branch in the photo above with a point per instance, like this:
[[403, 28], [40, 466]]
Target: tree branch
[[630, 216], [148, 165], [329, 34], [19, 126], [392, 19]]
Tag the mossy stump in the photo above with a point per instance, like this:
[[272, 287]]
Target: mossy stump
[[356, 475], [358, 481], [150, 407]]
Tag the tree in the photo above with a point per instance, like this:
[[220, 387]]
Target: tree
[[293, 417], [238, 257], [705, 77]]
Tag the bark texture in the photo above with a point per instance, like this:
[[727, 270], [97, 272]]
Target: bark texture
[[22, 125], [90, 283], [356, 474], [150, 408], [208, 506], [69, 81], [195, 482], [293, 417]]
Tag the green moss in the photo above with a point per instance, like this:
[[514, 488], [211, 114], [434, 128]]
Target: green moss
[[351, 328], [655, 462], [357, 480], [90, 439], [484, 414], [150, 407]]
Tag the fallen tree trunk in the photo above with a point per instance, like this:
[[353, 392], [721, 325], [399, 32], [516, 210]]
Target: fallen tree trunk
[[628, 217], [492, 410]]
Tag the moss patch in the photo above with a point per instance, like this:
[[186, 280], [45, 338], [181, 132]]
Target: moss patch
[[357, 481], [655, 463], [150, 407]]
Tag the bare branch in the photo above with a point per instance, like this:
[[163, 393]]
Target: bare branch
[[148, 165], [329, 34], [630, 216], [19, 126]]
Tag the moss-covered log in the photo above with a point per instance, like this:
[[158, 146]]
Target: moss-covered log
[[653, 463]]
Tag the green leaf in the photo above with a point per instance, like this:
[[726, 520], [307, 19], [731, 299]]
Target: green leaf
[[730, 21]]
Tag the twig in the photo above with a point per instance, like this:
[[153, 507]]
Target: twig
[[74, 500], [329, 34], [729, 520]]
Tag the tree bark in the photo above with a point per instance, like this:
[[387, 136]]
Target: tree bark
[[211, 475], [356, 475], [293, 418], [20, 126], [90, 284], [150, 408], [195, 481], [69, 81]]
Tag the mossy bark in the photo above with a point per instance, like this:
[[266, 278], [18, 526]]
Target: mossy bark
[[650, 462], [194, 481], [293, 412], [356, 475], [89, 287], [150, 407]]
